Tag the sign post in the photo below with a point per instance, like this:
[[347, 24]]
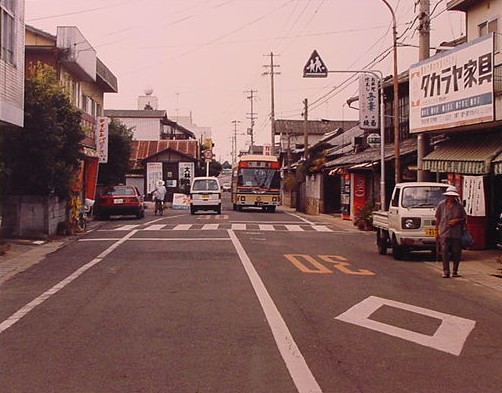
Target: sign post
[[315, 68]]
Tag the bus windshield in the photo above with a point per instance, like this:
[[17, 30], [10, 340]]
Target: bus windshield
[[259, 177]]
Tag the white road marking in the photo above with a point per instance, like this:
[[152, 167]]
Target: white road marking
[[321, 228], [155, 227], [266, 227], [301, 218], [207, 227], [126, 227], [295, 362], [16, 317], [238, 227], [294, 228], [182, 227], [450, 336]]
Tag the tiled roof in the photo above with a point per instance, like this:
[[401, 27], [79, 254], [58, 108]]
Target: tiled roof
[[315, 127], [135, 113], [143, 149]]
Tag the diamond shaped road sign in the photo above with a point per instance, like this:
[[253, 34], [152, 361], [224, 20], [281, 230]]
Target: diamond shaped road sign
[[315, 67]]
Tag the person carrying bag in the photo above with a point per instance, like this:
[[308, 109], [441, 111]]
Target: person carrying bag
[[450, 223]]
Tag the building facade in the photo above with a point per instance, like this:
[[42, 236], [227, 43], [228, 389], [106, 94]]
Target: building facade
[[12, 62]]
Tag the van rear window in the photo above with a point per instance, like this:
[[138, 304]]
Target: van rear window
[[205, 185]]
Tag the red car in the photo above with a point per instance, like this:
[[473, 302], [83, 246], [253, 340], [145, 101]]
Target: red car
[[120, 200]]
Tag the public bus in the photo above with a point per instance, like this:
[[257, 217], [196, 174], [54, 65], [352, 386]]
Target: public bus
[[256, 182]]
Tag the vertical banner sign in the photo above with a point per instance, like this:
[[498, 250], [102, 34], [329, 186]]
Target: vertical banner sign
[[368, 102], [358, 192], [102, 139], [153, 173], [453, 89], [185, 175]]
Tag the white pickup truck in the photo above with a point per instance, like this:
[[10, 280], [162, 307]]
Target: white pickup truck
[[409, 224]]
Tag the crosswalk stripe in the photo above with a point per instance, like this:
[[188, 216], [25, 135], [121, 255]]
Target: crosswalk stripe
[[238, 227], [266, 227], [321, 228], [206, 227], [126, 227], [155, 227], [182, 227], [294, 228]]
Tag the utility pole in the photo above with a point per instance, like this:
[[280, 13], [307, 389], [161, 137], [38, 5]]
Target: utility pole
[[423, 139], [234, 141], [272, 106], [251, 117], [305, 127]]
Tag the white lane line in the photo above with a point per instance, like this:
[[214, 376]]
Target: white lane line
[[295, 362], [176, 239], [126, 228], [321, 228], [449, 337], [209, 227], [182, 227], [16, 317], [239, 227], [266, 227], [301, 218], [294, 228], [155, 227]]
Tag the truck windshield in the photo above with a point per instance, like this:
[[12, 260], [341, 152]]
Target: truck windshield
[[422, 196]]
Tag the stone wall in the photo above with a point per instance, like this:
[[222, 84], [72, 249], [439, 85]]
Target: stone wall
[[32, 216]]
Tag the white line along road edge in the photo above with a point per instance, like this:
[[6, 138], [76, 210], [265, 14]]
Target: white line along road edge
[[16, 317], [295, 362]]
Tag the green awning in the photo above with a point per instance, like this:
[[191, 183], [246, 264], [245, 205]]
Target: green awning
[[469, 155], [497, 164]]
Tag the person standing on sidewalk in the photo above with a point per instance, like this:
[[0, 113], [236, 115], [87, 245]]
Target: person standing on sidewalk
[[450, 221]]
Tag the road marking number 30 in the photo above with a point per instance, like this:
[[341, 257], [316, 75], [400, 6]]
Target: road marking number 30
[[309, 264]]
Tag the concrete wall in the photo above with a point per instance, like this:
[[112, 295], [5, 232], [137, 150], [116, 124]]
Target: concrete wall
[[32, 216]]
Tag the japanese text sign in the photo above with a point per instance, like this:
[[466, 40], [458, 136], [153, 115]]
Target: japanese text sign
[[102, 139], [453, 89], [368, 102]]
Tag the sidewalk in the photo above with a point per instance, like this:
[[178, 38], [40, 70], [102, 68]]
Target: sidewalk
[[481, 267]]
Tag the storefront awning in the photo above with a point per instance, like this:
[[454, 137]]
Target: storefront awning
[[469, 155], [497, 164]]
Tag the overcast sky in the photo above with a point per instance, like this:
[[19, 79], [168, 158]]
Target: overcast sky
[[202, 56]]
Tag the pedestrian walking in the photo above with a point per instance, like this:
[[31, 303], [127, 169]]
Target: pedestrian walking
[[450, 221]]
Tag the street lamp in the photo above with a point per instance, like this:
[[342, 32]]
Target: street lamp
[[395, 122]]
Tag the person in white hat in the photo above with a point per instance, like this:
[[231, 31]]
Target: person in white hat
[[158, 195], [450, 219]]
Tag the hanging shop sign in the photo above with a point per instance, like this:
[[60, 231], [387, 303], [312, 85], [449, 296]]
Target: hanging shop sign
[[368, 102]]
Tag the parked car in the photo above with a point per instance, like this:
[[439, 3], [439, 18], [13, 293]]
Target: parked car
[[226, 187], [205, 194], [120, 200]]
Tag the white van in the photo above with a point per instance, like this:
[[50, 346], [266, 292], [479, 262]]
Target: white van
[[205, 194]]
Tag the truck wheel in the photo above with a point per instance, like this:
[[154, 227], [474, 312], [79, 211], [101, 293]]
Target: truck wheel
[[398, 251], [381, 242]]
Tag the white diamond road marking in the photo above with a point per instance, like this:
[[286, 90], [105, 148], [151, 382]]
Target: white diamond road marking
[[450, 336], [294, 228], [156, 227], [238, 227], [207, 227], [182, 227]]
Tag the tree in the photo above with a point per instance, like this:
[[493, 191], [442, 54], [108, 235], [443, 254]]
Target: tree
[[119, 151], [43, 157]]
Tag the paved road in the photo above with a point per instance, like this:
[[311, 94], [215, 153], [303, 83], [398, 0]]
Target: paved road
[[243, 302]]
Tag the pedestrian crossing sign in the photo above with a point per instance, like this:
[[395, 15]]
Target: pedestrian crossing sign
[[315, 67]]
